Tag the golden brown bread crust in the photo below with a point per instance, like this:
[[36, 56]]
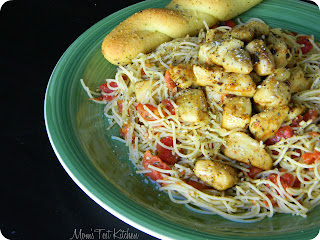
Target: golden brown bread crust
[[221, 9], [147, 29]]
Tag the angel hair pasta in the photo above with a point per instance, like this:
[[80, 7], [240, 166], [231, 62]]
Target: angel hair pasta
[[225, 122]]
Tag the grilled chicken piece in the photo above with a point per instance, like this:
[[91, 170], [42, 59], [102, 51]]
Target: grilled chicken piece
[[236, 113], [280, 74], [216, 35], [263, 60], [265, 124], [249, 31], [213, 96], [272, 93], [297, 81], [192, 105], [242, 148], [227, 53], [182, 75], [218, 175], [225, 82], [143, 90], [279, 49]]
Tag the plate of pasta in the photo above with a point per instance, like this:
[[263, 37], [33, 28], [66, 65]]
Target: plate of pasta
[[210, 136]]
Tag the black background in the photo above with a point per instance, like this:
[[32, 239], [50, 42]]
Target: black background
[[38, 199]]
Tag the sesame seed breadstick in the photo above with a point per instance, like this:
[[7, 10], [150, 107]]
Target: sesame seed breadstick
[[147, 29]]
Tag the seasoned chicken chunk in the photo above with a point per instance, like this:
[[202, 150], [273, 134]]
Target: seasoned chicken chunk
[[228, 54], [218, 175], [242, 148], [213, 52], [280, 74], [192, 105], [206, 76], [224, 82], [213, 96], [263, 60], [279, 49], [237, 84], [294, 111], [236, 113], [272, 93], [249, 31], [182, 75], [237, 61], [265, 124], [143, 90], [216, 35], [297, 81], [255, 77]]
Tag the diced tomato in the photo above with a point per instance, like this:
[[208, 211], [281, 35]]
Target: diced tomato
[[289, 180], [273, 178], [296, 183], [165, 154], [297, 151], [273, 202], [311, 114], [196, 185], [169, 82], [149, 159], [168, 105], [105, 88], [124, 131], [143, 72], [120, 106], [296, 121], [275, 152], [314, 134], [310, 158], [145, 114], [283, 132], [214, 26], [307, 46], [230, 23], [286, 179], [108, 97], [254, 171]]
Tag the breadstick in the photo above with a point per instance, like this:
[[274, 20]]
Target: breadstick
[[147, 29]]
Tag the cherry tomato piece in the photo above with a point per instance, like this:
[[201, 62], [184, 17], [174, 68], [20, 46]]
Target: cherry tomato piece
[[145, 114], [149, 159], [168, 105], [310, 115], [307, 46], [230, 23], [283, 132], [310, 158], [254, 171], [165, 154], [169, 82]]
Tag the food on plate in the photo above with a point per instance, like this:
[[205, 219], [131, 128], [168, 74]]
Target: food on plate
[[226, 122], [147, 29]]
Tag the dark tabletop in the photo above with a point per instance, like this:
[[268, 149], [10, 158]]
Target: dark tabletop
[[38, 198]]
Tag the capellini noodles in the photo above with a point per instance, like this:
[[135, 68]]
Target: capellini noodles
[[153, 124]]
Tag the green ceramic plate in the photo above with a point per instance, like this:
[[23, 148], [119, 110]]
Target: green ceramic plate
[[100, 165]]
